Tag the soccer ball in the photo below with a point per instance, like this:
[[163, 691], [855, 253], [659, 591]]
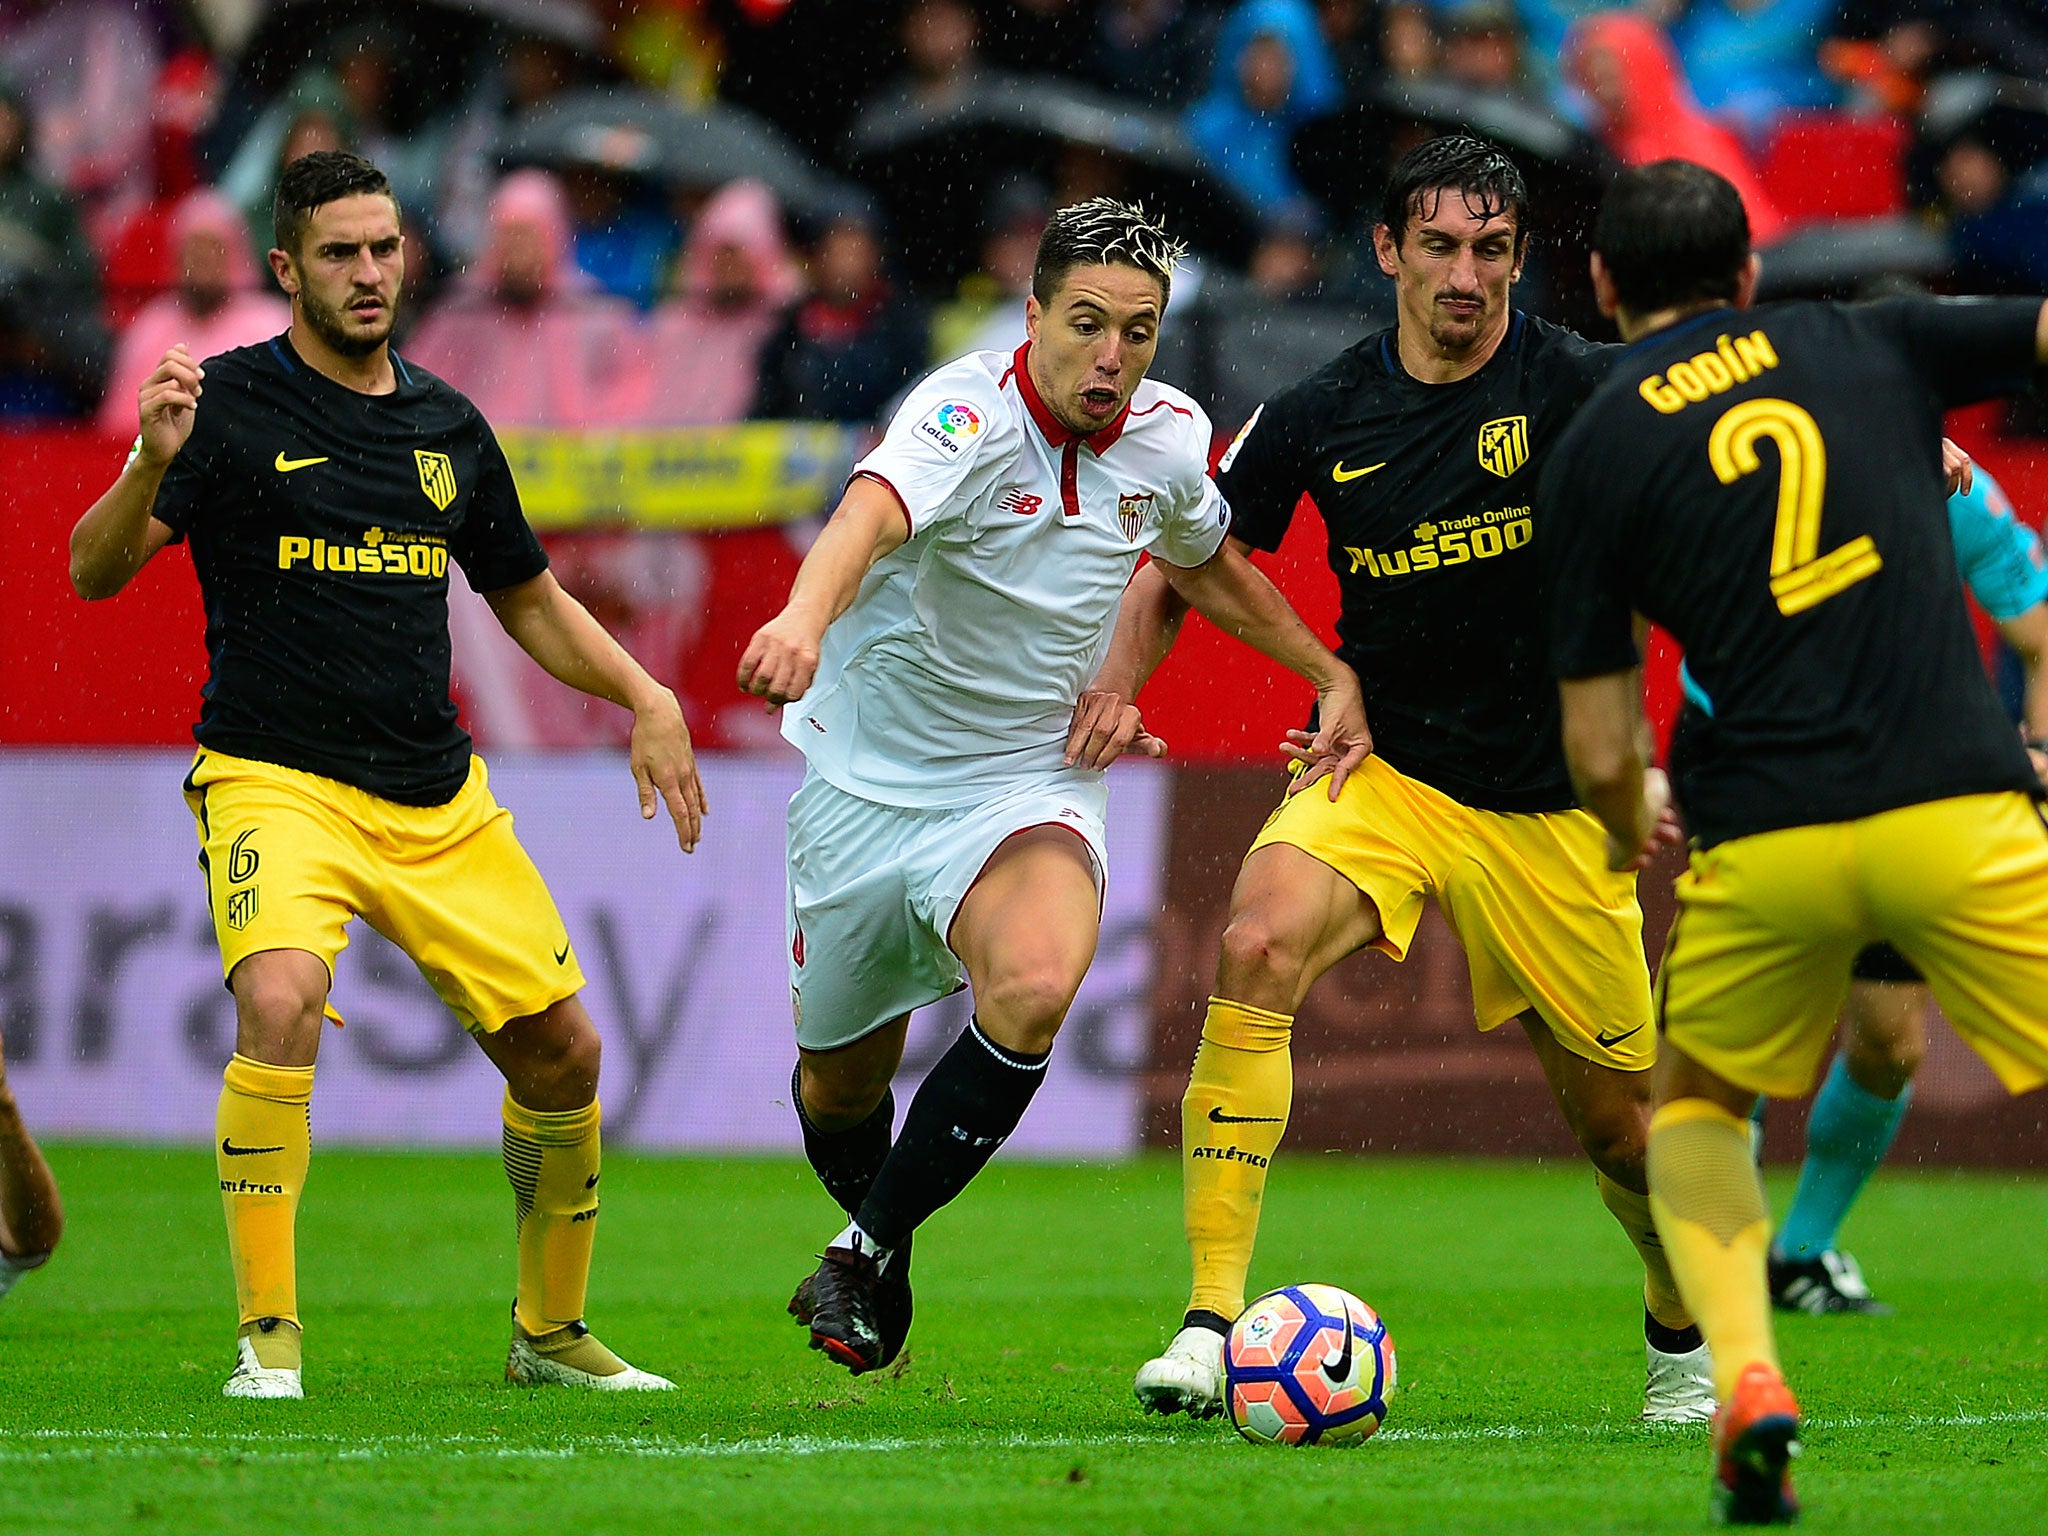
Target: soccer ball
[[1308, 1365]]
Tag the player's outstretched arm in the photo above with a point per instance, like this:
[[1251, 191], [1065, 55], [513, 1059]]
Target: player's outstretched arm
[[1236, 596], [117, 535], [559, 633], [782, 658], [31, 1215], [1607, 746]]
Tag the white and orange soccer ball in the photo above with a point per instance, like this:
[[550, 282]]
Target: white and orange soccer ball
[[1308, 1365]]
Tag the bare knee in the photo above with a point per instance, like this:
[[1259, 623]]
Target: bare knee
[[551, 1060], [1615, 1136], [1262, 959], [280, 1004], [1880, 1070], [840, 1095], [1886, 1037], [1023, 1009]]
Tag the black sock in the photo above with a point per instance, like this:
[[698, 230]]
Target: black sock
[[1671, 1341], [846, 1161], [965, 1109]]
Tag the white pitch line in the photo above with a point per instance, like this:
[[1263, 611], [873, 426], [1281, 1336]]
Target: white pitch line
[[52, 1445]]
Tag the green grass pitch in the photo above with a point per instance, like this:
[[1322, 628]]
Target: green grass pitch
[[1507, 1288]]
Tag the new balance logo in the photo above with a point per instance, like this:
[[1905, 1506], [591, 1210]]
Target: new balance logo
[[1217, 1117], [232, 1150]]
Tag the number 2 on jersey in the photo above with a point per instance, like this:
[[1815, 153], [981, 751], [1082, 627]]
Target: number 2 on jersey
[[1799, 581]]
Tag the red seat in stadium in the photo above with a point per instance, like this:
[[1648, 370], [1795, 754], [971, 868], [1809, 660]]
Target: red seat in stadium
[[1836, 165]]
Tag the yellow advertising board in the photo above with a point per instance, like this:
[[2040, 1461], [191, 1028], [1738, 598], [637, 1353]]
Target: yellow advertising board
[[692, 478]]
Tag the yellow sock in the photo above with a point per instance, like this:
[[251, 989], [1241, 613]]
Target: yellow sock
[[1231, 1120], [552, 1161], [265, 1142], [1716, 1227], [1660, 1290]]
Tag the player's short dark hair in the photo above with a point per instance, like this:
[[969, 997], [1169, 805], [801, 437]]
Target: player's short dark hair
[[312, 181], [1481, 173], [1103, 232], [1672, 234]]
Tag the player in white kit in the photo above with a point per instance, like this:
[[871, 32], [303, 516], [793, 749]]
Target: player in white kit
[[933, 654], [31, 1215]]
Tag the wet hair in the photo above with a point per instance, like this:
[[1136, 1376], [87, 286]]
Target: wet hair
[[1103, 232], [312, 181], [1479, 172], [1672, 234]]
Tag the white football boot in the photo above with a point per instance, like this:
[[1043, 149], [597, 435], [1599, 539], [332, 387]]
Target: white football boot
[[251, 1377], [1188, 1378], [572, 1357], [1680, 1388]]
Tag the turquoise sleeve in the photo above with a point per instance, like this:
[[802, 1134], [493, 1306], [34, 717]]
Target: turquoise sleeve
[[2000, 557]]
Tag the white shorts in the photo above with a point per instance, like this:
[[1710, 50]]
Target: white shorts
[[873, 890]]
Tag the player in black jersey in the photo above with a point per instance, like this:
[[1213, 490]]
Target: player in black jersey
[[1764, 485], [1419, 448], [325, 488]]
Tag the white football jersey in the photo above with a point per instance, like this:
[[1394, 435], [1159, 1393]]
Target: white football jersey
[[955, 673]]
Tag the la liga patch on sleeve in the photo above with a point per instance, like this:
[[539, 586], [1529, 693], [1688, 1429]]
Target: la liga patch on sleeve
[[953, 425]]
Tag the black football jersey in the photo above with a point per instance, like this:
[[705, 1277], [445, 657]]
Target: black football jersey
[[1767, 485], [322, 523], [1428, 492]]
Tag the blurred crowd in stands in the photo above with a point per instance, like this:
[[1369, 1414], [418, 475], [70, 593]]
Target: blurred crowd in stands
[[700, 211]]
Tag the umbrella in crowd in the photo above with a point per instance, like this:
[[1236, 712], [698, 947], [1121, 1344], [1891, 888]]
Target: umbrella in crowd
[[293, 33], [932, 164], [639, 133]]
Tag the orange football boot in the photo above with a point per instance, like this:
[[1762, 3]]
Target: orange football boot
[[1756, 1435]]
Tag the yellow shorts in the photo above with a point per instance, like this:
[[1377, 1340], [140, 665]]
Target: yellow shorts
[[1543, 921], [291, 857], [1758, 961]]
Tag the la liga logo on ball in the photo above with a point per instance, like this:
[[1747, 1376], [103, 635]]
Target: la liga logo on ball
[[1308, 1365]]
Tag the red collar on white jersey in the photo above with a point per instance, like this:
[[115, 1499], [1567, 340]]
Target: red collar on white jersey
[[1048, 424]]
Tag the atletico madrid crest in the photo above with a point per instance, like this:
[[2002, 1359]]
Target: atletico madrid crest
[[437, 477], [1504, 445]]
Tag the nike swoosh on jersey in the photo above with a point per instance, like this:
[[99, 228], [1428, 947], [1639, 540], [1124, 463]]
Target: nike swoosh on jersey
[[1340, 474], [234, 1151], [562, 954], [285, 466], [1221, 1118], [1607, 1041]]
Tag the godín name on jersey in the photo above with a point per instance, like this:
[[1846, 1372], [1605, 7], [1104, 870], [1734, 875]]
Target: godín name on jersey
[[1779, 510]]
